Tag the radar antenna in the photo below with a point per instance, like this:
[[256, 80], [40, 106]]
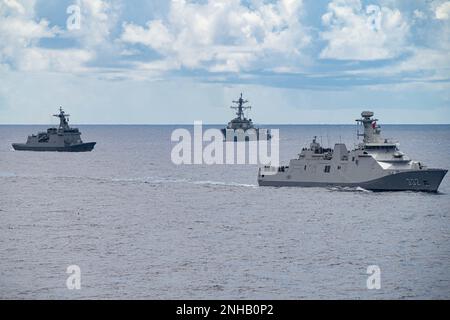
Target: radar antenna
[[63, 119], [240, 107]]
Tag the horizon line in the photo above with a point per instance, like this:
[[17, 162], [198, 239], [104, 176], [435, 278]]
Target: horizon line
[[212, 124]]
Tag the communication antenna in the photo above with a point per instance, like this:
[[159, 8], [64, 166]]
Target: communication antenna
[[357, 134], [240, 107], [328, 138], [357, 131]]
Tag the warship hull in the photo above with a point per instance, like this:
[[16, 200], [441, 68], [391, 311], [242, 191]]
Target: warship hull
[[81, 147], [259, 136], [421, 180]]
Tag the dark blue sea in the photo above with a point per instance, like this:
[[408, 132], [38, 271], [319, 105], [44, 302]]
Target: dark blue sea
[[139, 226]]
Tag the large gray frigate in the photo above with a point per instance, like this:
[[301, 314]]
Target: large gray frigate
[[375, 164], [63, 138], [241, 128]]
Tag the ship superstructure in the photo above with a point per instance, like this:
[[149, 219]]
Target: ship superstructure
[[242, 127]]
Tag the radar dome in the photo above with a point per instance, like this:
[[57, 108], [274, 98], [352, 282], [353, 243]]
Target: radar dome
[[367, 114]]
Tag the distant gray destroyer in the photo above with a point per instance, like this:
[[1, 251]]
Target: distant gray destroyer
[[63, 138], [243, 128], [375, 164]]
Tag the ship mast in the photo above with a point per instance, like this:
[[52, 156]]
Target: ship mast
[[240, 107], [371, 129], [63, 119]]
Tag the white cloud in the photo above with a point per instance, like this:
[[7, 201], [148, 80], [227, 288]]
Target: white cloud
[[419, 14], [21, 31], [39, 59], [97, 19], [357, 33], [226, 36], [155, 35], [14, 5], [443, 11], [422, 65], [223, 35]]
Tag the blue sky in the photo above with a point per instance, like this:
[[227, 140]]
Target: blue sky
[[179, 61]]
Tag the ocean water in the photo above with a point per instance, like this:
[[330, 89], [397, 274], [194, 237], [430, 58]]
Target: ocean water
[[139, 226]]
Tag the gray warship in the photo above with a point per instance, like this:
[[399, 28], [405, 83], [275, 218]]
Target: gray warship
[[63, 138], [376, 164], [241, 126]]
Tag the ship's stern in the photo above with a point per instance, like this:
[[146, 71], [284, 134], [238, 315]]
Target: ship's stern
[[273, 176]]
